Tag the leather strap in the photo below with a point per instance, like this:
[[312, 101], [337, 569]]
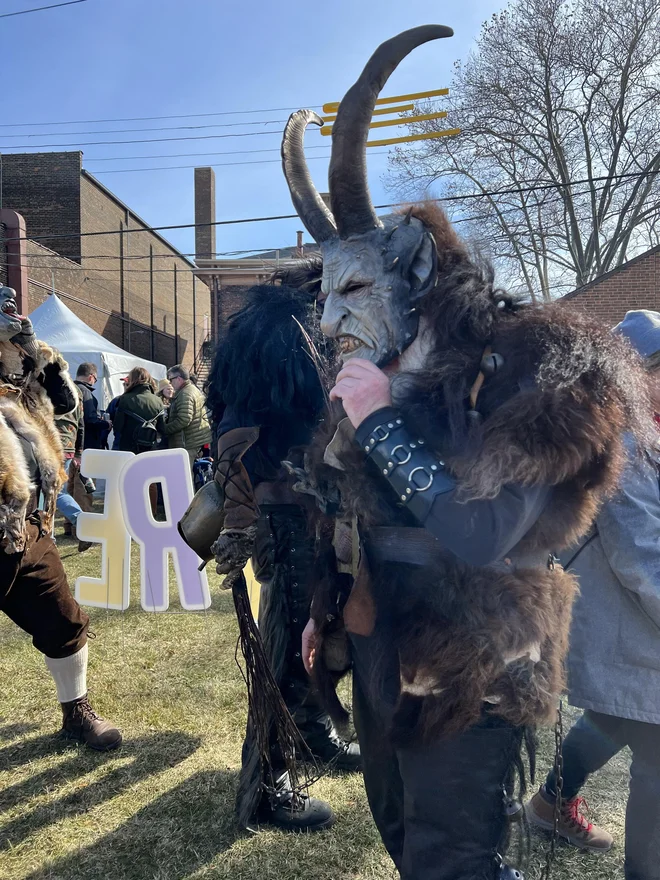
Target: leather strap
[[418, 547], [276, 493]]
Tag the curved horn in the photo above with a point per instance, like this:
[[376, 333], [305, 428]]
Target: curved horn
[[309, 205], [349, 193]]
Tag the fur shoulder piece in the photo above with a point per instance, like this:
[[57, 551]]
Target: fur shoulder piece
[[554, 414], [556, 409]]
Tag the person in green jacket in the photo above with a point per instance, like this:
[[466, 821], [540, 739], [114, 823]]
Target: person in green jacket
[[137, 405], [187, 425]]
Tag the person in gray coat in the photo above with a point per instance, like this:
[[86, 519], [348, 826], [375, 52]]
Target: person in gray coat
[[614, 657]]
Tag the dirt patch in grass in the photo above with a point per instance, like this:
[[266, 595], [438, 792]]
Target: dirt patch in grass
[[162, 807]]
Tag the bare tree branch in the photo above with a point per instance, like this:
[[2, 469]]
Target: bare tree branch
[[556, 91]]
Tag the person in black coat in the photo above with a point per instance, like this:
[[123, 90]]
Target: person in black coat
[[96, 427]]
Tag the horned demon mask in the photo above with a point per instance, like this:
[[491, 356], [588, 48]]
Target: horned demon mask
[[375, 270]]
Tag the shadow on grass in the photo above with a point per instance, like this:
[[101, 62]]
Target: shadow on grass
[[27, 750], [174, 836], [11, 731], [150, 755]]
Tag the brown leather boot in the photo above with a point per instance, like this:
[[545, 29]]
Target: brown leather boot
[[81, 723], [573, 826]]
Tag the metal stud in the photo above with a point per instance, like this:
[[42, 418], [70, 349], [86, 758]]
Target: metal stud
[[399, 421], [403, 497], [434, 467], [385, 471], [390, 425], [408, 491], [413, 445]]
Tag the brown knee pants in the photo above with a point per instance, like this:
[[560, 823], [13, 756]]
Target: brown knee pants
[[35, 594]]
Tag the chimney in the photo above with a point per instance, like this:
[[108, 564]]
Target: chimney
[[300, 250], [204, 214]]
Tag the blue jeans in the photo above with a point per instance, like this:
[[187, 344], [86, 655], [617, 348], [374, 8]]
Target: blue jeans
[[66, 504], [587, 747]]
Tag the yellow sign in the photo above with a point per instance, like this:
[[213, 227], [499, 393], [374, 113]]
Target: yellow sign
[[333, 107], [254, 590], [327, 129], [426, 136], [383, 112]]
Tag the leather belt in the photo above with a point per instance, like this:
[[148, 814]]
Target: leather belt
[[276, 493], [418, 547]]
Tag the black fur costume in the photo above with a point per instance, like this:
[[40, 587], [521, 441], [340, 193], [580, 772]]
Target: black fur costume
[[503, 437], [263, 375]]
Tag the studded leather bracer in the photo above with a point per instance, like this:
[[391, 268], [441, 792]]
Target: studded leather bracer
[[414, 472]]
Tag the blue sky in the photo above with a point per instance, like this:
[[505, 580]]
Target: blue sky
[[106, 59]]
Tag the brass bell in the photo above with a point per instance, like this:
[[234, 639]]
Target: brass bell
[[201, 524], [491, 363]]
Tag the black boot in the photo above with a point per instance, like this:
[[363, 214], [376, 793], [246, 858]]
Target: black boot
[[321, 738], [334, 751], [291, 811], [81, 723]]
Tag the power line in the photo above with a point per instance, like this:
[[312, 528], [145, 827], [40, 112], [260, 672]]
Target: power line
[[41, 8], [165, 128], [189, 155], [240, 254], [201, 137], [217, 164], [453, 198], [155, 118]]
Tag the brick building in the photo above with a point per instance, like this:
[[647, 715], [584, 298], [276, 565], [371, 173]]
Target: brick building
[[633, 285], [124, 280]]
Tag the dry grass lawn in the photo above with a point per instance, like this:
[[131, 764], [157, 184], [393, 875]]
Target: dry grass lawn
[[162, 807]]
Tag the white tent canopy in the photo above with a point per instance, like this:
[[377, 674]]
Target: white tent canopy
[[58, 326]]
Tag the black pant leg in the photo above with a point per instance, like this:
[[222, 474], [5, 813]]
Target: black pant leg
[[39, 599], [454, 816], [592, 741], [375, 686], [439, 808], [643, 811]]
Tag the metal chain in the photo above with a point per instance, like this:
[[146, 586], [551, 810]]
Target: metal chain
[[559, 785]]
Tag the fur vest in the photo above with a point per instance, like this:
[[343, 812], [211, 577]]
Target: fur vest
[[494, 636], [27, 411]]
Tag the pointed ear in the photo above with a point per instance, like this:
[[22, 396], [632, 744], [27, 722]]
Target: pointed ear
[[424, 268]]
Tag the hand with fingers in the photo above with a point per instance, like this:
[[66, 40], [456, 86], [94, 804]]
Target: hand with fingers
[[309, 645], [363, 389]]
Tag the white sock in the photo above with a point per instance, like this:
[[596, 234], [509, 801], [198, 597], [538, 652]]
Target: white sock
[[70, 675]]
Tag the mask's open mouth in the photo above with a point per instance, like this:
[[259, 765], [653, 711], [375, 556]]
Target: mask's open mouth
[[9, 308], [349, 344]]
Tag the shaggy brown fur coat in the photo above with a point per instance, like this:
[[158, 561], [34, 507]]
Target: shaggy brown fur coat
[[553, 415], [27, 411]]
